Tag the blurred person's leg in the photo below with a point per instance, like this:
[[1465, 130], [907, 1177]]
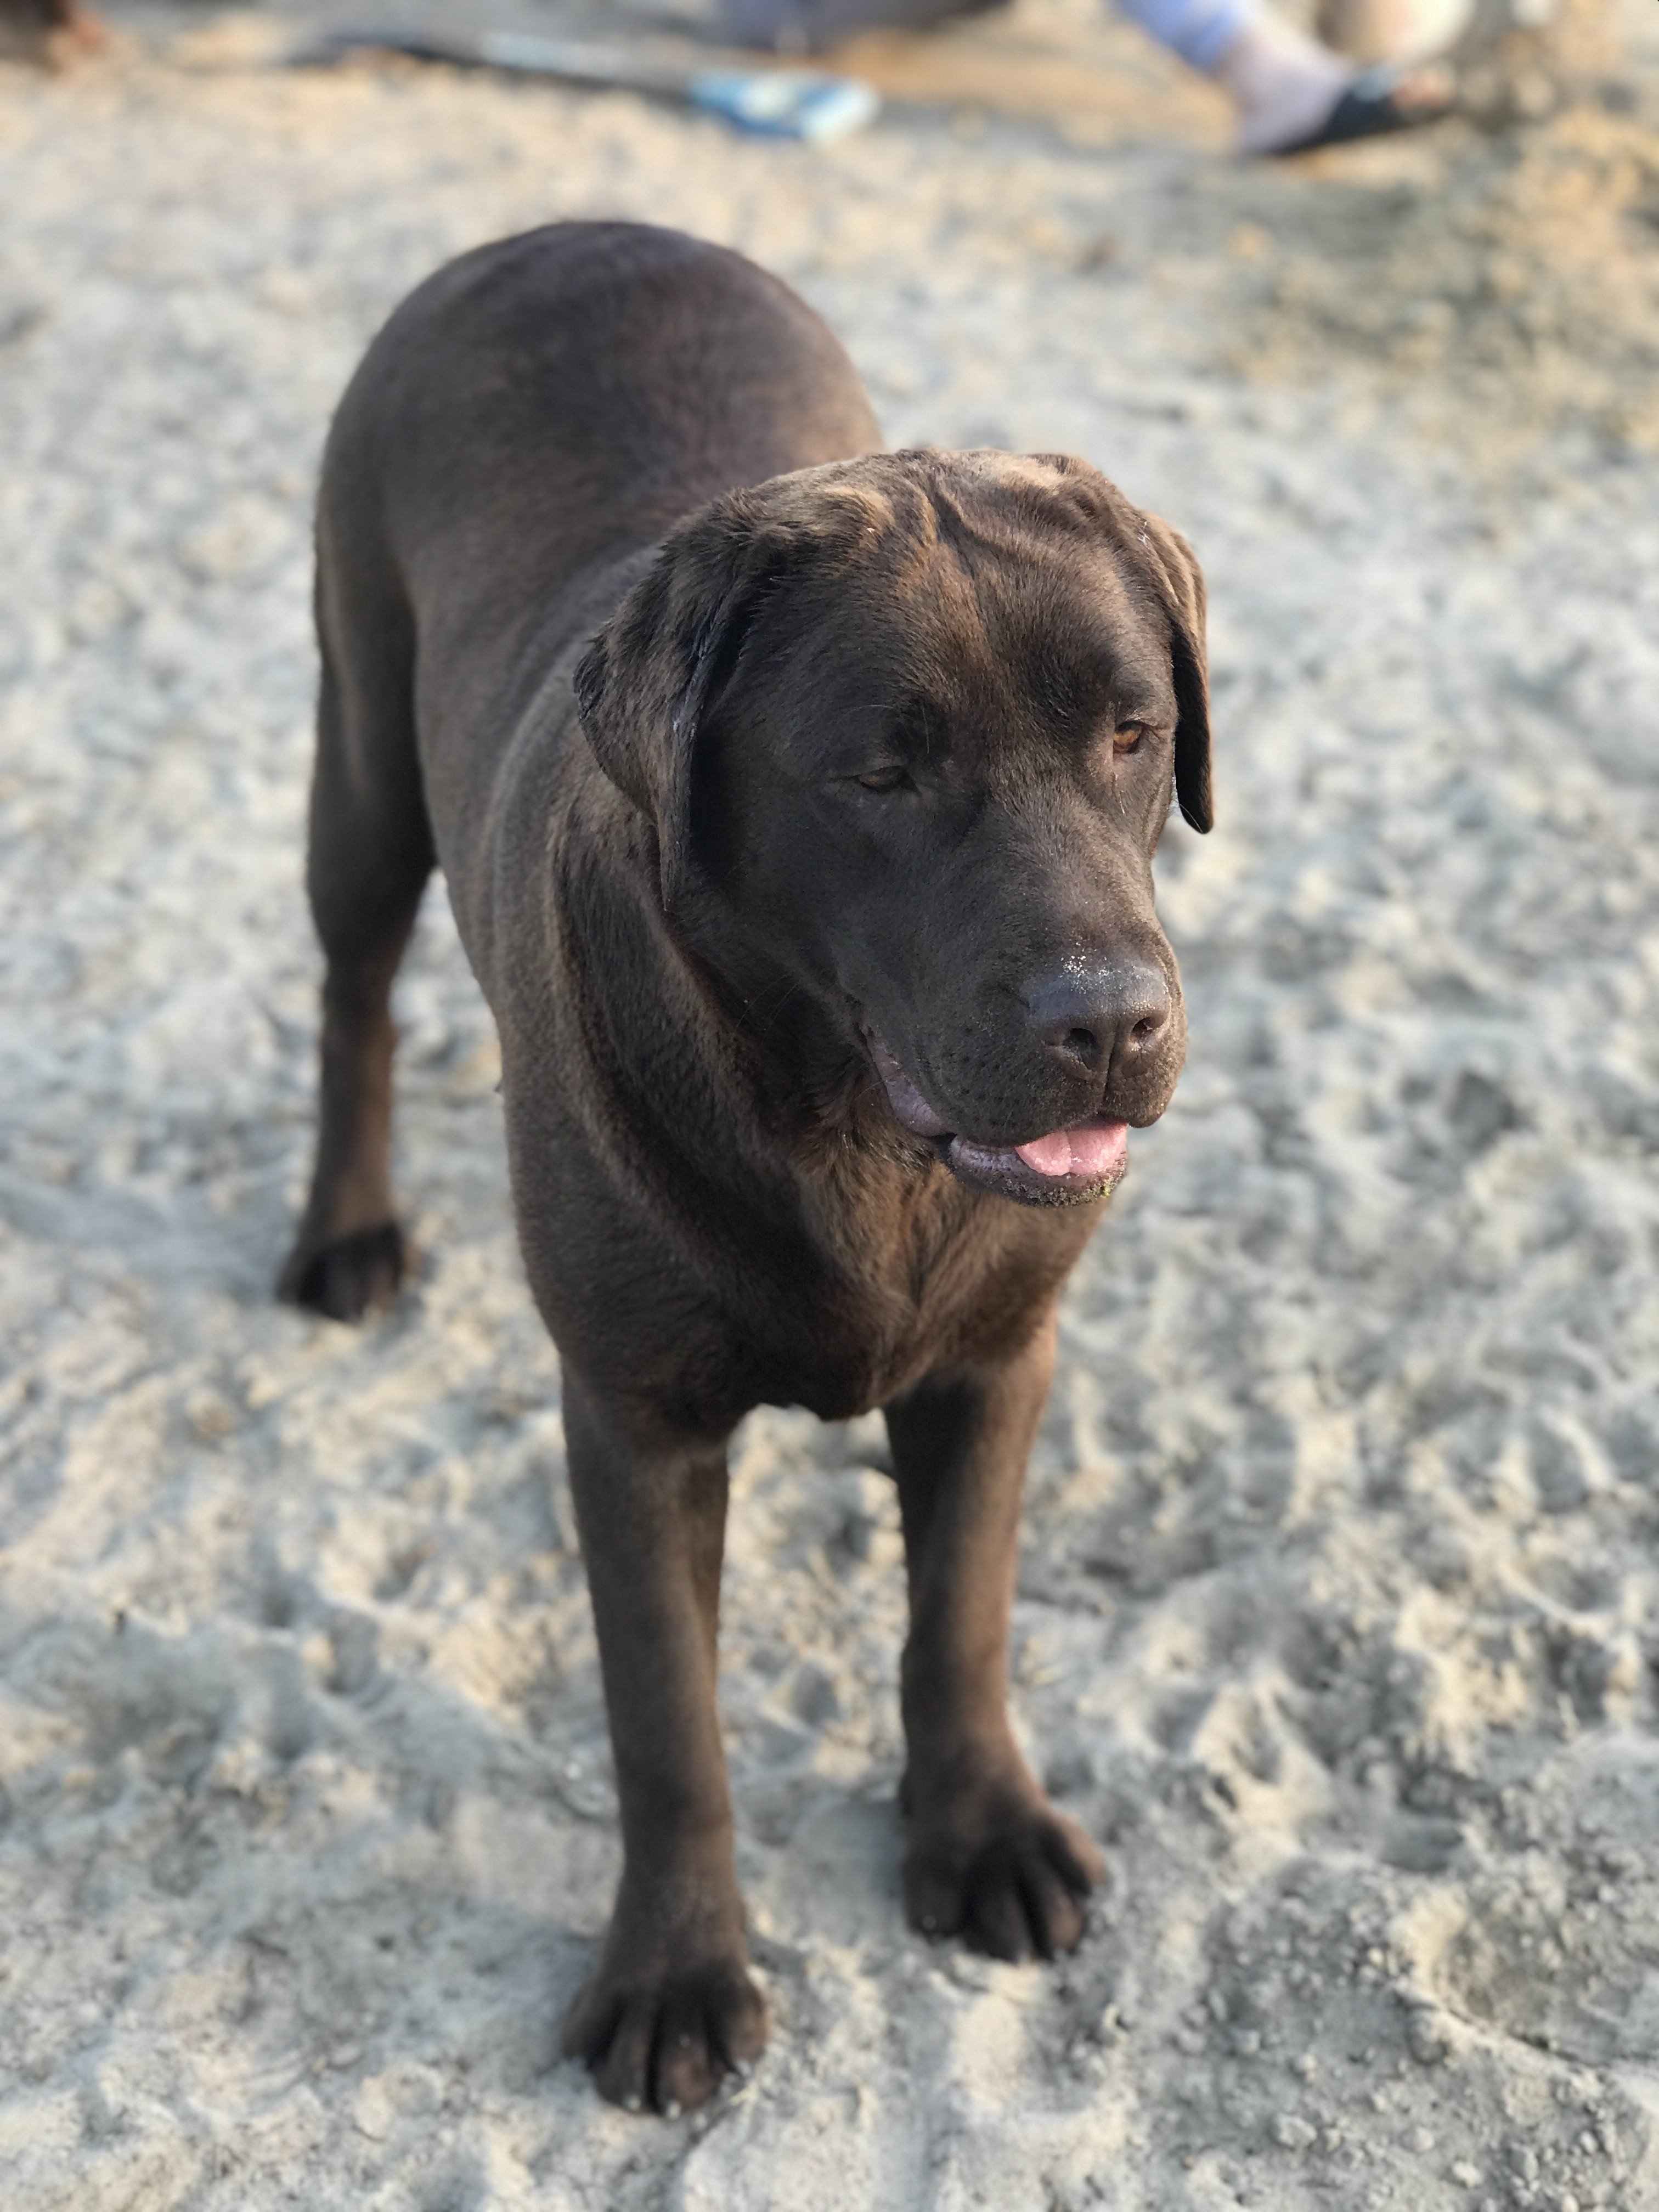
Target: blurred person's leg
[[1283, 86], [1288, 91]]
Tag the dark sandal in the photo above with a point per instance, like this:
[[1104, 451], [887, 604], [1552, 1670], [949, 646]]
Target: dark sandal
[[1369, 108]]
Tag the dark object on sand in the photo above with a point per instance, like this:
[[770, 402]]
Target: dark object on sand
[[798, 813], [51, 31], [810, 26]]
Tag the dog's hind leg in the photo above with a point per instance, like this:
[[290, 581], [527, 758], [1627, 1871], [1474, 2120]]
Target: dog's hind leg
[[370, 854]]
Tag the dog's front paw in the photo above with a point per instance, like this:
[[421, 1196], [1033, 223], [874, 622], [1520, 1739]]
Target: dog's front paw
[[1004, 1871], [664, 2038], [353, 1276]]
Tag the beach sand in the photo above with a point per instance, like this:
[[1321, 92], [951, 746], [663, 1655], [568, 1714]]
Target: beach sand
[[1339, 1604]]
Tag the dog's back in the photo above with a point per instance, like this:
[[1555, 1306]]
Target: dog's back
[[531, 415], [567, 396]]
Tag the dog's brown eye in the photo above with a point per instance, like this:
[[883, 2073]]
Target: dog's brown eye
[[1126, 737], [893, 778]]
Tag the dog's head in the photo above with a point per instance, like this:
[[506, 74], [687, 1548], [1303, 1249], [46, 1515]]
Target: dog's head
[[908, 729]]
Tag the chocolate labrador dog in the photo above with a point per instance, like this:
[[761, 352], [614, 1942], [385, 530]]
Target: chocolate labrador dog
[[796, 802]]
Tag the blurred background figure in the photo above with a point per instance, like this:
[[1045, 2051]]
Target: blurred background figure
[[1289, 92], [46, 30]]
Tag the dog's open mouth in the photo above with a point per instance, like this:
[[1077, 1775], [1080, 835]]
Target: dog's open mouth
[[1067, 1167]]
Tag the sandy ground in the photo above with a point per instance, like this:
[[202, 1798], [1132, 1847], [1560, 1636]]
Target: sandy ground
[[1339, 1614]]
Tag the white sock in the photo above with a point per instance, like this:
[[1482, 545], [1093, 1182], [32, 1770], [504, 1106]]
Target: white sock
[[1283, 85]]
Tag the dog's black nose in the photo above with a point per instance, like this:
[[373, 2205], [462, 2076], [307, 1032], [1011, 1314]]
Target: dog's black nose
[[1103, 1012]]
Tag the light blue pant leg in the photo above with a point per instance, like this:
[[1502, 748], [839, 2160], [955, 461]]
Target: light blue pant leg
[[1200, 31]]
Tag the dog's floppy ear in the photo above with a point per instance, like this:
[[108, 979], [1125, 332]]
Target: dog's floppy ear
[[1181, 590], [1170, 566], [647, 681]]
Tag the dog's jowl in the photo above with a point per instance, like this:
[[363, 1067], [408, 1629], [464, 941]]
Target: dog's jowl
[[798, 803]]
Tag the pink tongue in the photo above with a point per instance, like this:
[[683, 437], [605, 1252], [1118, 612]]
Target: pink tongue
[[1092, 1148]]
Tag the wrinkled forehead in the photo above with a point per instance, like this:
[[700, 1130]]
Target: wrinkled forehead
[[985, 625]]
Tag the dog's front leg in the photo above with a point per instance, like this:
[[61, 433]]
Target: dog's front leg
[[988, 1857], [671, 2006]]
